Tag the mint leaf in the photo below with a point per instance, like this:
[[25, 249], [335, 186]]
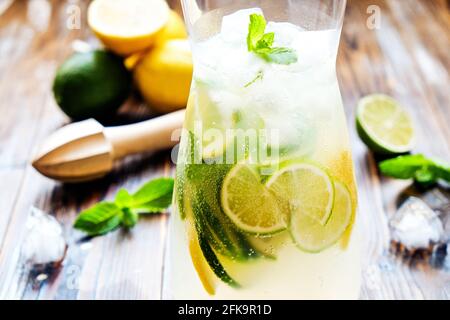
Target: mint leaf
[[255, 30], [425, 175], [129, 218], [442, 170], [403, 167], [152, 191], [266, 41], [153, 197], [99, 219], [154, 206], [418, 167], [261, 43], [123, 199], [278, 55]]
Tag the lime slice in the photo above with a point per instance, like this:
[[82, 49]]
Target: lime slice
[[304, 188], [384, 126], [311, 236], [204, 259], [206, 210], [249, 203], [200, 263]]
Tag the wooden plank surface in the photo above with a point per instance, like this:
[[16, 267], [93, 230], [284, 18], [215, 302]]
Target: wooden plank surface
[[406, 57]]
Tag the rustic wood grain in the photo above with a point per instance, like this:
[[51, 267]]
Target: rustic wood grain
[[407, 58]]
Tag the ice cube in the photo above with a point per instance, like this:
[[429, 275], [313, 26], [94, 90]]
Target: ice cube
[[416, 225], [285, 33], [44, 242], [235, 26], [313, 48]]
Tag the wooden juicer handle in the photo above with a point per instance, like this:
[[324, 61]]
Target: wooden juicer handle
[[86, 150]]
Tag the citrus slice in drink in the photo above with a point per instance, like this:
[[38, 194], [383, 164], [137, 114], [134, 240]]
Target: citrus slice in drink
[[204, 259], [304, 188], [128, 26], [384, 126], [200, 264], [311, 236], [249, 203], [342, 170]]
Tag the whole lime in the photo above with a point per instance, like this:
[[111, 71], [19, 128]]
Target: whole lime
[[91, 84]]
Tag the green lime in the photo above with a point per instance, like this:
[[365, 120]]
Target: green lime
[[249, 203], [311, 236], [203, 256], [384, 126], [91, 84], [202, 185], [305, 188]]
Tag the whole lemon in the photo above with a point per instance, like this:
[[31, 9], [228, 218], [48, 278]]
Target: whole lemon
[[164, 76], [173, 29]]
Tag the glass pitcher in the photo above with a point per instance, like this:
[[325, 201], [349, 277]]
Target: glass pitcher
[[265, 195]]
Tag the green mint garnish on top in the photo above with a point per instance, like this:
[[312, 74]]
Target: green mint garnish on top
[[261, 43]]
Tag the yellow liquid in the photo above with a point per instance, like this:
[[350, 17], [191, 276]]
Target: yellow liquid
[[331, 274], [303, 102]]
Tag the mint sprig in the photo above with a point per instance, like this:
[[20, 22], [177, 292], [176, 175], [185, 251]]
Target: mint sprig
[[153, 197], [261, 43], [423, 170], [99, 219]]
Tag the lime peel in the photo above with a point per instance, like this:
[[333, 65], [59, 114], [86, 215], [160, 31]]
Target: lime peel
[[384, 126], [307, 187], [249, 203], [313, 237]]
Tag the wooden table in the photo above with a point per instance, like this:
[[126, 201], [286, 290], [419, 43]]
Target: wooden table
[[407, 57]]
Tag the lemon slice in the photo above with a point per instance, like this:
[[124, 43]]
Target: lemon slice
[[311, 236], [249, 203], [384, 126], [128, 26], [304, 188], [341, 168], [200, 264]]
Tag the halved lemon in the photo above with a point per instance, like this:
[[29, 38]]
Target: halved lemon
[[128, 26]]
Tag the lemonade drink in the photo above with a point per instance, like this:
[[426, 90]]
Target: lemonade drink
[[265, 195]]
